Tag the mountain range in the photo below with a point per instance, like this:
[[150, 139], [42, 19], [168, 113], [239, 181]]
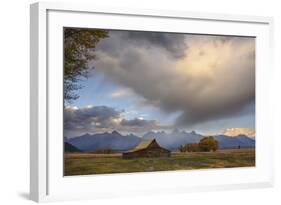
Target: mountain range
[[172, 141], [175, 139], [70, 148], [108, 140]]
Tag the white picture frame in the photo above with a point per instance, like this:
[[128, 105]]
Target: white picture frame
[[46, 178]]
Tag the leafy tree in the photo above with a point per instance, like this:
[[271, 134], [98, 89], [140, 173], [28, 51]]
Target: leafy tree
[[193, 147], [189, 148], [79, 47], [208, 144], [182, 148]]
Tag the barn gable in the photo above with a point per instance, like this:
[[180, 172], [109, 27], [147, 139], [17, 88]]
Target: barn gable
[[145, 144], [147, 148]]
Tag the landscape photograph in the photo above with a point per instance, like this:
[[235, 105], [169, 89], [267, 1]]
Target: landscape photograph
[[146, 101]]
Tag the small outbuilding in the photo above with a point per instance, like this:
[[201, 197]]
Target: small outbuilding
[[147, 148]]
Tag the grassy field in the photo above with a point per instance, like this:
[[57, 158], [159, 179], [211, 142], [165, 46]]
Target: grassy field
[[85, 163]]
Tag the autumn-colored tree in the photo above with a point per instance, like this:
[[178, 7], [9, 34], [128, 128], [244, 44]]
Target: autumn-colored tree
[[182, 148], [189, 148], [208, 144], [193, 147], [79, 47]]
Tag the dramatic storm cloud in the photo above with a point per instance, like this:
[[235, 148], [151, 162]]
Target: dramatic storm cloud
[[94, 119], [138, 123], [204, 78], [119, 40], [86, 119]]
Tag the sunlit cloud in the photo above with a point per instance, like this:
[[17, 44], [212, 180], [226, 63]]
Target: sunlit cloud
[[240, 131], [121, 93]]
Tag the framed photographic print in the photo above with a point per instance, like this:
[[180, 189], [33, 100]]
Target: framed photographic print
[[124, 96]]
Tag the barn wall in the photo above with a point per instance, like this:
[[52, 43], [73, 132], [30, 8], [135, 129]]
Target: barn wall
[[153, 151]]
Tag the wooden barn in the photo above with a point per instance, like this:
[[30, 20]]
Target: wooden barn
[[147, 148]]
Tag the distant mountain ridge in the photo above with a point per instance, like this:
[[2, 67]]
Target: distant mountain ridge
[[70, 148], [171, 141], [242, 141], [175, 139], [107, 140]]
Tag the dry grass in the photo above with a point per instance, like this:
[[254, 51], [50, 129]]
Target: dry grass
[[88, 163], [90, 155]]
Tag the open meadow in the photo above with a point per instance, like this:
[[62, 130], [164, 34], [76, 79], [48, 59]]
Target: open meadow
[[88, 163]]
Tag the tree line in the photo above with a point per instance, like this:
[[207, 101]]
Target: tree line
[[206, 144]]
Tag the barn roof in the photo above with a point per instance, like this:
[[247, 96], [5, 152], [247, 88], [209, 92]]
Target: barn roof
[[143, 144]]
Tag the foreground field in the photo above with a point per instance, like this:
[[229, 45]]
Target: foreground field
[[84, 163]]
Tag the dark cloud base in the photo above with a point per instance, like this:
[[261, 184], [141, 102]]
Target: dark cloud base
[[95, 119]]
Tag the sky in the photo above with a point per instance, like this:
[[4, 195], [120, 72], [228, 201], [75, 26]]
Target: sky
[[145, 81]]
